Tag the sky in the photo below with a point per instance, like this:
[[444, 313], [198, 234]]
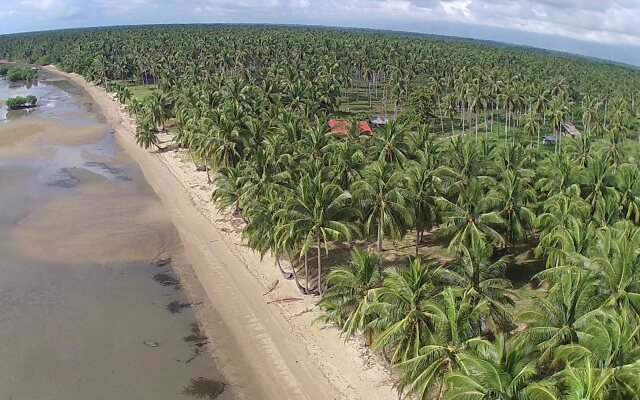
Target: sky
[[607, 29]]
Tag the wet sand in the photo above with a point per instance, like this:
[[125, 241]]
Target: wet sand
[[83, 312], [272, 344]]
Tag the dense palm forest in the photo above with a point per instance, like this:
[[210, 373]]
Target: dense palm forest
[[477, 261]]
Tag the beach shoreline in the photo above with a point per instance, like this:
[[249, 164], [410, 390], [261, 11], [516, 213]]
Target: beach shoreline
[[285, 354]]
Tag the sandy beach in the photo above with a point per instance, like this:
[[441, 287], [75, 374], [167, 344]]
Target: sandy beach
[[288, 356]]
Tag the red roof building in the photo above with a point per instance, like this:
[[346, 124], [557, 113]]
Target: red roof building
[[341, 127]]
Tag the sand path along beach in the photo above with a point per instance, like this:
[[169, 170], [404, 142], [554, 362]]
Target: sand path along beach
[[286, 355]]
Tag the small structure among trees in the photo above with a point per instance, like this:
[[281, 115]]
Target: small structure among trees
[[341, 127], [549, 140], [568, 129], [378, 120]]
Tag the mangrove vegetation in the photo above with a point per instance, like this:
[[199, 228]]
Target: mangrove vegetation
[[18, 102]]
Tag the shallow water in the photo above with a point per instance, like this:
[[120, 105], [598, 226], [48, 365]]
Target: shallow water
[[84, 314]]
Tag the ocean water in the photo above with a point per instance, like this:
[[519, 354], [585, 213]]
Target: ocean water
[[85, 313]]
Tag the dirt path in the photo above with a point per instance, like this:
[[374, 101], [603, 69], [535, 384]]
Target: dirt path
[[272, 349]]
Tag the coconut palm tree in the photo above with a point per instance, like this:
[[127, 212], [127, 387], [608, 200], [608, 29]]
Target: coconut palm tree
[[402, 310], [557, 113], [627, 183], [159, 108], [532, 125], [557, 173], [499, 369], [483, 279], [424, 185], [392, 143], [347, 298], [516, 195], [261, 231], [566, 240], [454, 315], [319, 212], [229, 189], [615, 261], [560, 316], [474, 219], [383, 196], [147, 134], [580, 150]]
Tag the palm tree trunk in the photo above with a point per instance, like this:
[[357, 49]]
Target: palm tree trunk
[[441, 116], [295, 278], [486, 125], [319, 266], [463, 118], [285, 274], [418, 240], [476, 127], [192, 157], [506, 124], [380, 233], [306, 270], [206, 168]]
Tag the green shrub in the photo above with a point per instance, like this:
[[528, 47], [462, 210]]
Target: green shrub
[[17, 102], [19, 74]]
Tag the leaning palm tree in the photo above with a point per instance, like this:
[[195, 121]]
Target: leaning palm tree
[[347, 298], [319, 212], [261, 230], [229, 188], [383, 196], [147, 134]]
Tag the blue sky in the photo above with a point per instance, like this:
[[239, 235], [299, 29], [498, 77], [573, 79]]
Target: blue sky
[[600, 28]]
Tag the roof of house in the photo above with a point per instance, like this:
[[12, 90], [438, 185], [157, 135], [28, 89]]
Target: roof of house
[[341, 127], [379, 119], [571, 129], [365, 128], [550, 138]]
